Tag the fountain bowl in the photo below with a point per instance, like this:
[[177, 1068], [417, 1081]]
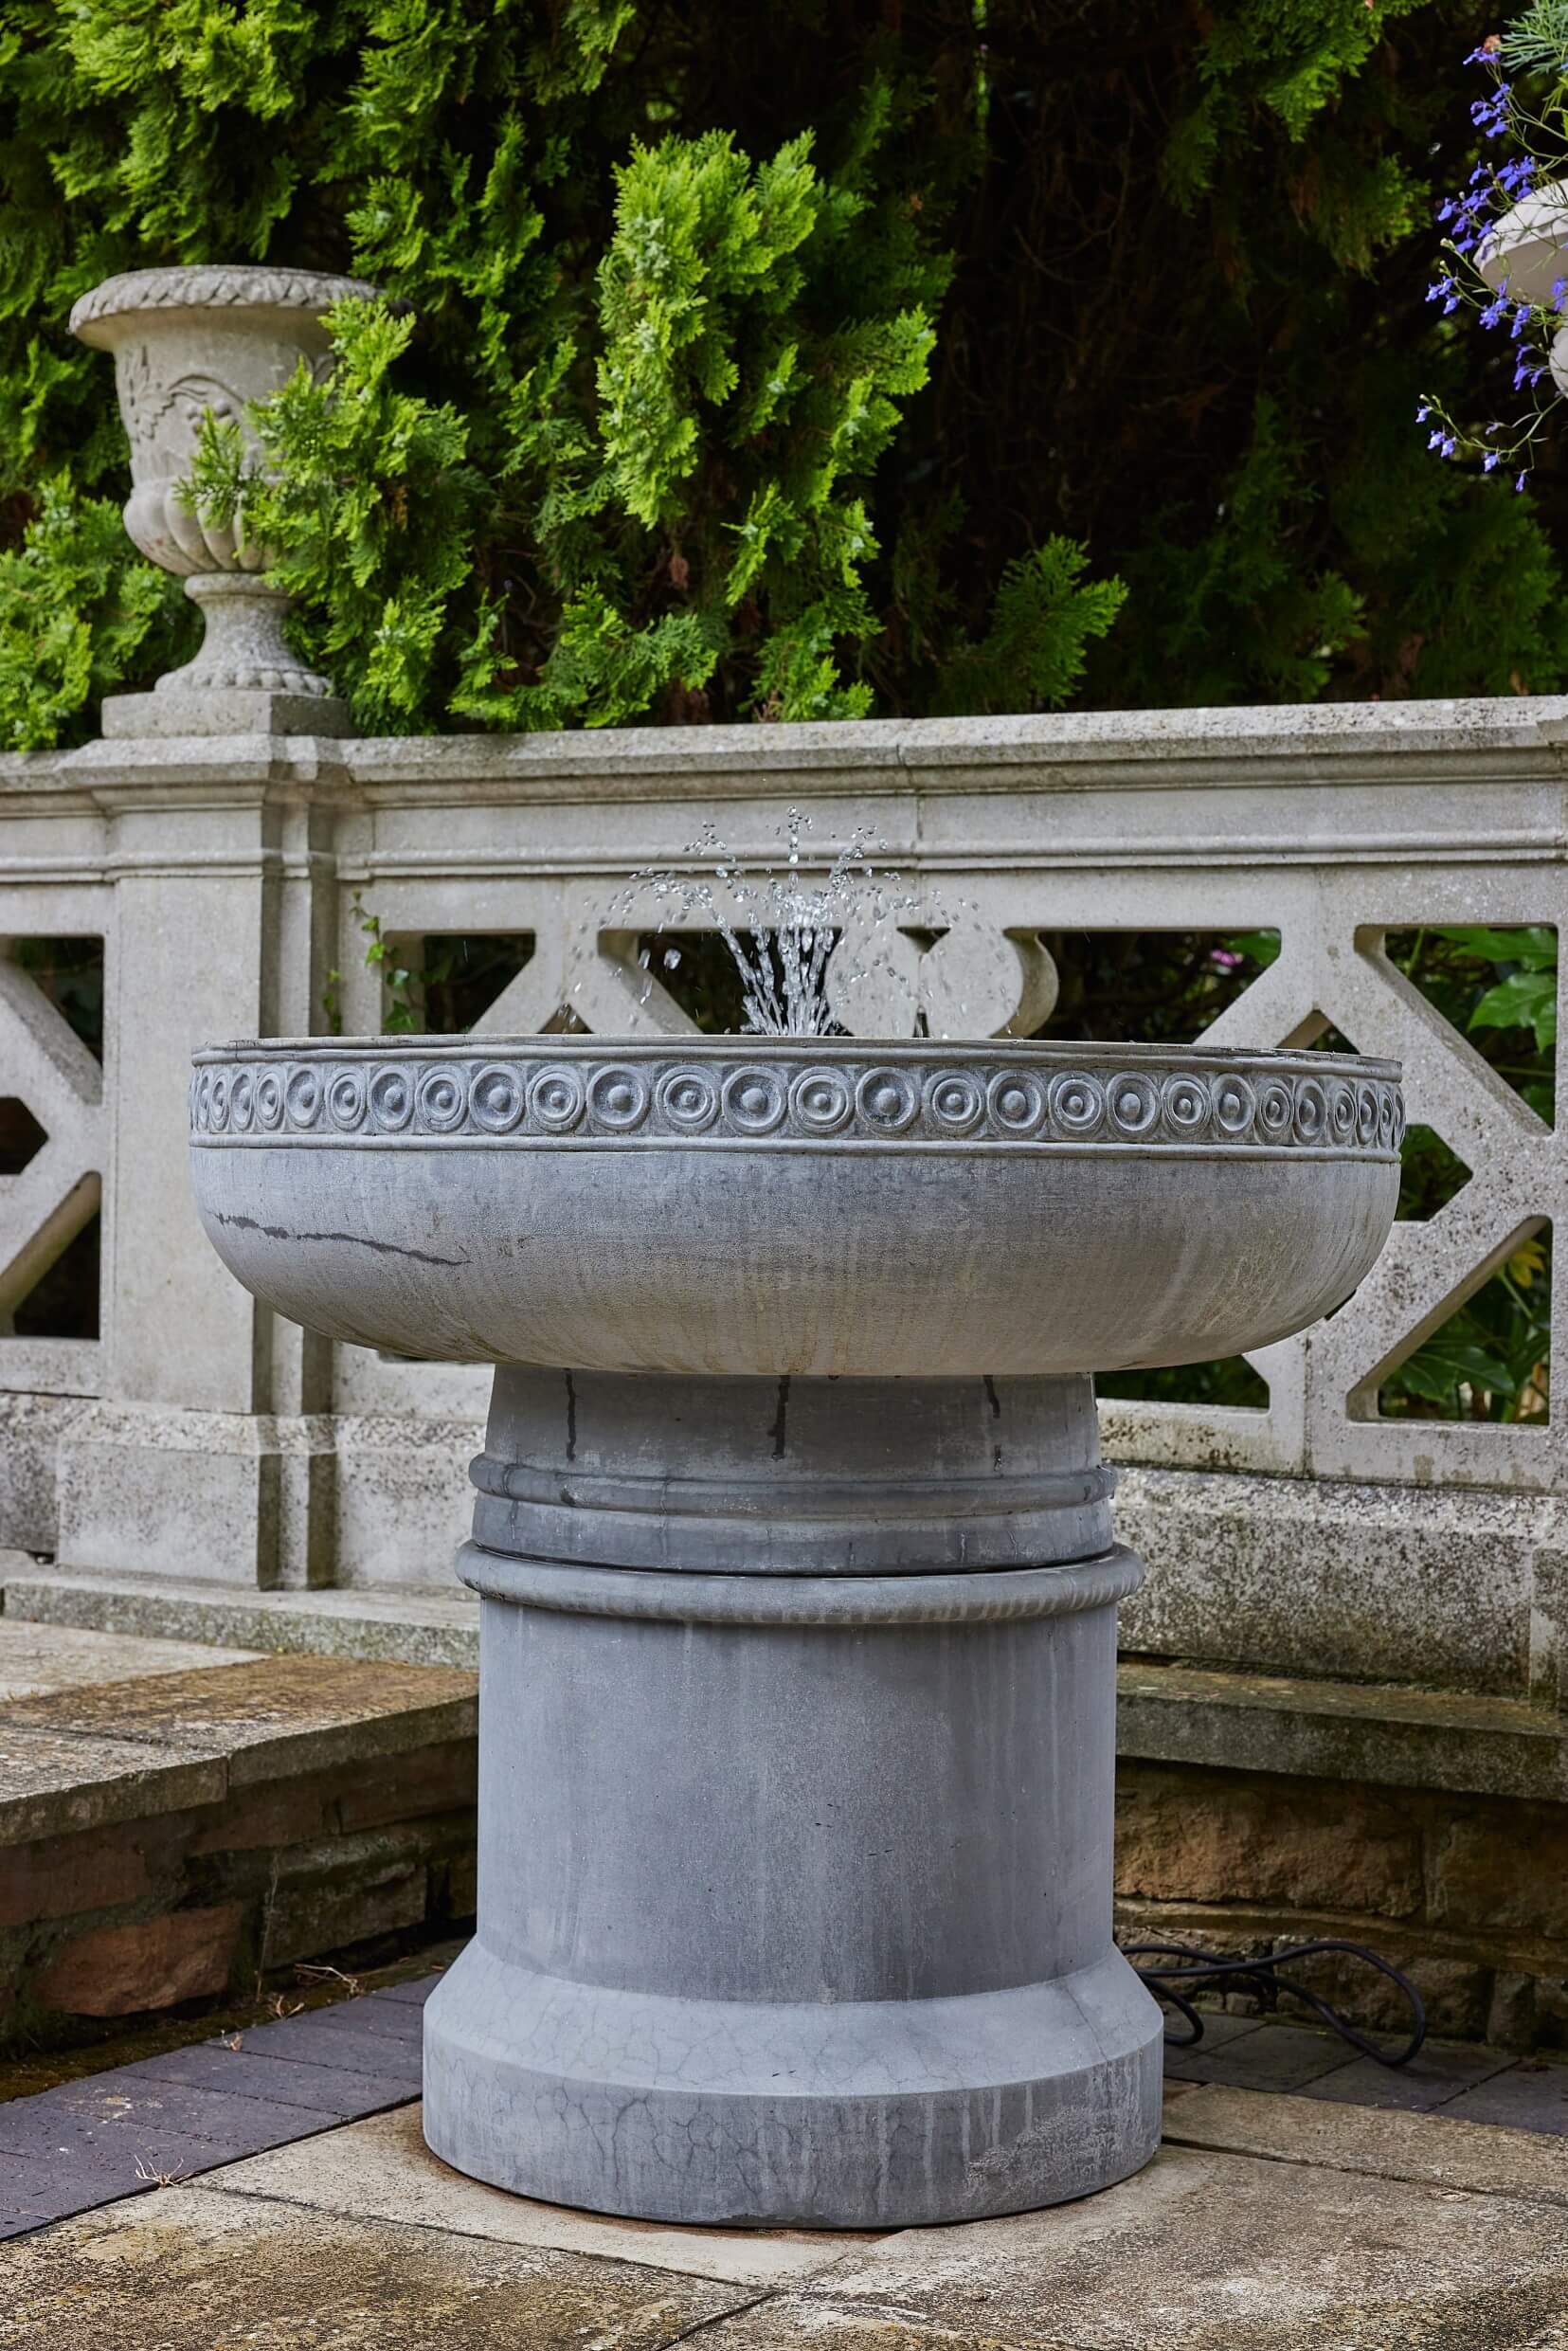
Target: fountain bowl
[[812, 1206]]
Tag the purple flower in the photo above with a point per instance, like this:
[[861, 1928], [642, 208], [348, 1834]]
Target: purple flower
[[1495, 312], [1522, 319], [1423, 412], [1491, 460], [1519, 483], [1435, 442], [1449, 444]]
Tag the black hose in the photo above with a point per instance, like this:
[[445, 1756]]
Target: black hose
[[1262, 1974]]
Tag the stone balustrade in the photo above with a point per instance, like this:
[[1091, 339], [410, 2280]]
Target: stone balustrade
[[197, 1436]]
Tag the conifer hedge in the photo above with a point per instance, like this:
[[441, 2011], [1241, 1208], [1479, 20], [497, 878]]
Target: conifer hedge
[[790, 361]]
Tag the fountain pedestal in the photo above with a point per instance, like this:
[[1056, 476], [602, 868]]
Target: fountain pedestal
[[797, 1708]]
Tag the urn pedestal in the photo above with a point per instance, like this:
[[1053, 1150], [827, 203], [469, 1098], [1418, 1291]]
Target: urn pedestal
[[797, 1571], [189, 342]]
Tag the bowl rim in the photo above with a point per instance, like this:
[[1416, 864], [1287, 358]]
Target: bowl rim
[[603, 1045]]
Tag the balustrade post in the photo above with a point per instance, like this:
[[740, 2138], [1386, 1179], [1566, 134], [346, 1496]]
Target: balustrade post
[[208, 1452]]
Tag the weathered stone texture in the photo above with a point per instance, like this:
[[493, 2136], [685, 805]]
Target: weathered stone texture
[[1182, 1836], [251, 1815], [1503, 1874], [151, 1963], [1468, 1894]]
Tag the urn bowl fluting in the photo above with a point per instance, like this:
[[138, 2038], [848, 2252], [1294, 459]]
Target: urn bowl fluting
[[806, 1207]]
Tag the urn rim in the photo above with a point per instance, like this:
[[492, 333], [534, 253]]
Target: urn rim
[[211, 288]]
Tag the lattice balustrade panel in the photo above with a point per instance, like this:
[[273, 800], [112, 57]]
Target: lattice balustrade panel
[[54, 1088], [968, 962]]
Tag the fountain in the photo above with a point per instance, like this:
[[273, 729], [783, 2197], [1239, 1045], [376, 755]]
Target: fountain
[[796, 1572], [793, 1543]]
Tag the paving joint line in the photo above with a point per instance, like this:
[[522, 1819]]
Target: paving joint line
[[720, 2317], [1363, 2171], [213, 2183]]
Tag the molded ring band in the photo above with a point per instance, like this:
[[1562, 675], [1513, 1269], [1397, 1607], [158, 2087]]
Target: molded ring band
[[984, 1597]]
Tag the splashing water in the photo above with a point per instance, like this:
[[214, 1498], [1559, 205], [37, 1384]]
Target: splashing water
[[781, 928]]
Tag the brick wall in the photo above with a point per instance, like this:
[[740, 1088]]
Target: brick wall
[[1468, 1895]]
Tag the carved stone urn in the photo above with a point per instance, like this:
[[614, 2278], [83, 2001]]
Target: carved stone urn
[[1525, 253], [796, 1569], [188, 342]]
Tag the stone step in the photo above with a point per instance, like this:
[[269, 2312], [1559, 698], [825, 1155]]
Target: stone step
[[407, 1625], [175, 1820], [1389, 1733], [1386, 1733]]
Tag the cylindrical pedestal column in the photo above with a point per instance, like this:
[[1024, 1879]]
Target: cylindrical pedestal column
[[796, 1763]]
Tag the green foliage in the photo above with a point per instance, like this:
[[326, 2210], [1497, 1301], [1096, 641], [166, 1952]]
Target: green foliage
[[399, 983], [364, 492], [1498, 988], [77, 610], [1042, 623], [692, 412], [1528, 996], [1537, 40], [1246, 578]]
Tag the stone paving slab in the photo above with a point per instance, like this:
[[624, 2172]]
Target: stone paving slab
[[382, 2169], [330, 2037], [1268, 2056], [412, 1625], [331, 2091], [110, 2112], [1444, 2152], [54, 1782], [90, 2141], [33, 2192], [1529, 2096], [184, 2270], [384, 2020], [1207, 2250], [219, 2102], [269, 1717], [415, 1992], [37, 1657], [1440, 2072]]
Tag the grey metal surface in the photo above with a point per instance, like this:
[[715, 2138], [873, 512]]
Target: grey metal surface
[[795, 1889], [798, 1476], [798, 1590], [929, 1210]]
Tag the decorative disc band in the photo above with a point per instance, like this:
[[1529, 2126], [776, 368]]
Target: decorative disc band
[[1052, 1097]]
